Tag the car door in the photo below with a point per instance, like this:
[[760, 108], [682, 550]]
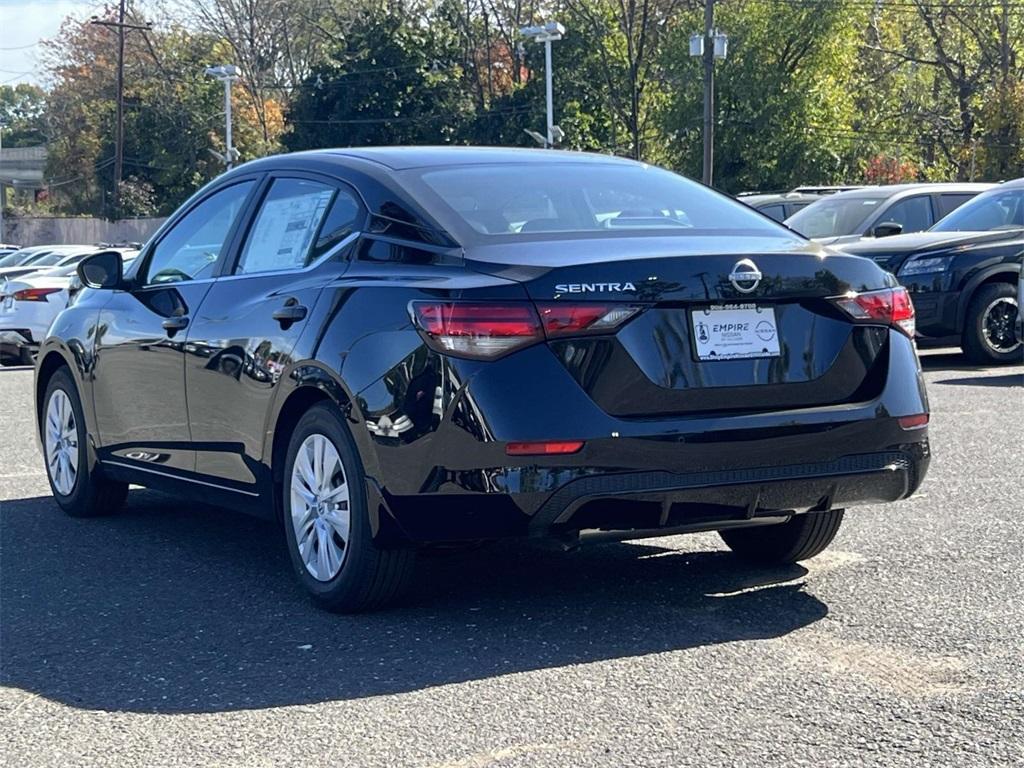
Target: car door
[[139, 370], [240, 342]]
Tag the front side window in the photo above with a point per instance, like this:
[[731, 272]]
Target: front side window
[[298, 222], [914, 213], [835, 216], [513, 201], [191, 248]]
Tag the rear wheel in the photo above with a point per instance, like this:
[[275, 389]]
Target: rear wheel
[[78, 486], [989, 335], [801, 538], [327, 523]]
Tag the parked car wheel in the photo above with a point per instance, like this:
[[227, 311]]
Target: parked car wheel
[[79, 487], [801, 538], [327, 523], [989, 335]]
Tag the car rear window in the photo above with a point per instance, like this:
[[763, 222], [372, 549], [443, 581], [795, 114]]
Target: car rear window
[[517, 201]]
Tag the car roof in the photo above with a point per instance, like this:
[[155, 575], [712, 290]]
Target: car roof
[[892, 190], [1012, 184], [780, 197], [403, 158]]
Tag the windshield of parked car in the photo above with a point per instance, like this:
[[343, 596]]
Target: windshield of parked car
[[24, 256], [998, 209], [835, 216], [50, 259], [519, 200]]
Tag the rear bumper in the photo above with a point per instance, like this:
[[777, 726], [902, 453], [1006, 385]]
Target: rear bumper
[[596, 499], [452, 480]]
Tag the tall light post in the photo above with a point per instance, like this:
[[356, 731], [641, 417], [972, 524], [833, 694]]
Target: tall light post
[[547, 33], [3, 187], [227, 74]]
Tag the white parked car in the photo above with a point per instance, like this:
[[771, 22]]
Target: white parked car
[[43, 257], [29, 304]]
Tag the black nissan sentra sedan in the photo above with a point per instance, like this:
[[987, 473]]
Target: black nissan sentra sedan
[[385, 349]]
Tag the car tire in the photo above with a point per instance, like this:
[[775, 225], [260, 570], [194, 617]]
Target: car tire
[[978, 344], [801, 538], [327, 522], [77, 484]]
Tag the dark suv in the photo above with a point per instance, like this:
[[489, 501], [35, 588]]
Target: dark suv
[[389, 348], [963, 273]]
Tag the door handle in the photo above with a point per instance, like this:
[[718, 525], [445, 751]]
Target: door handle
[[290, 313], [174, 324]]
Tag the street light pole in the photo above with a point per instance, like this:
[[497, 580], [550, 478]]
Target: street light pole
[[547, 34], [227, 74], [3, 188], [548, 93]]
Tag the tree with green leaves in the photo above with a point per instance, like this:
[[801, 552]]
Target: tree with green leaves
[[383, 81]]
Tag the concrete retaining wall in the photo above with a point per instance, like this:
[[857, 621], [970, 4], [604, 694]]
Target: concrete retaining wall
[[73, 231]]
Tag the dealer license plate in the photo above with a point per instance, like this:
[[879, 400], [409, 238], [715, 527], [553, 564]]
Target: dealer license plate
[[735, 332]]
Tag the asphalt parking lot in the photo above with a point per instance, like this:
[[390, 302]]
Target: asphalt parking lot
[[173, 635]]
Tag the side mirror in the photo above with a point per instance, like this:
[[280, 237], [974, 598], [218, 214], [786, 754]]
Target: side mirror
[[102, 270], [887, 228]]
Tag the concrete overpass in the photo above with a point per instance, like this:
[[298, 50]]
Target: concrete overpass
[[22, 167]]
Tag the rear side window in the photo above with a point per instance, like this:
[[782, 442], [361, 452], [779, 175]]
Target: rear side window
[[776, 212], [949, 203], [191, 248], [512, 201], [914, 213], [298, 221]]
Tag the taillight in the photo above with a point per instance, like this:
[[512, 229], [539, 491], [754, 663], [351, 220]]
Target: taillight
[[486, 330], [563, 319], [891, 306], [483, 330], [34, 294]]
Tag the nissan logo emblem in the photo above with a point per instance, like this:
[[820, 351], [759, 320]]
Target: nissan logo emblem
[[745, 276]]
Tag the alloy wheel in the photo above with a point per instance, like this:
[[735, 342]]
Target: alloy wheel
[[61, 442], [997, 323], [319, 501]]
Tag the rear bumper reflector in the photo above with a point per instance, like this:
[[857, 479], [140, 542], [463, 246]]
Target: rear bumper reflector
[[916, 421], [548, 448]]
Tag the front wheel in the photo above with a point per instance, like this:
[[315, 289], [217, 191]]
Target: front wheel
[[801, 538], [78, 486], [327, 523], [989, 334]]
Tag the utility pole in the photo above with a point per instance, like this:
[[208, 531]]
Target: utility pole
[[709, 91], [227, 74], [120, 25], [709, 46]]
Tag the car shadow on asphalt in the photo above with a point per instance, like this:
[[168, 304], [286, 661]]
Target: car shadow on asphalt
[[1007, 380], [179, 608]]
